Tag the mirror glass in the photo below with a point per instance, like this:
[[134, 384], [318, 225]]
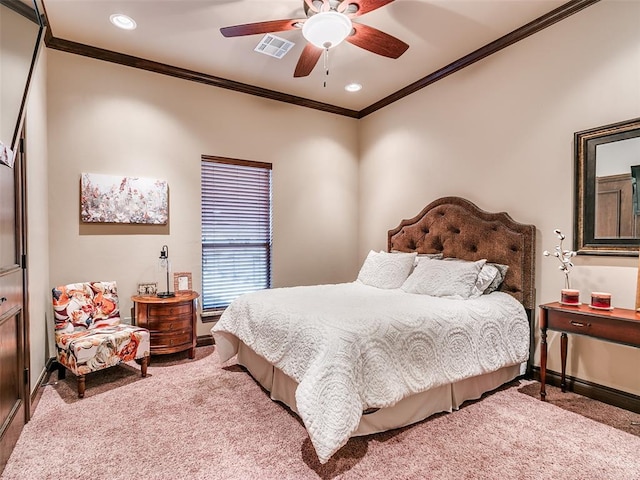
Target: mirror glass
[[608, 189], [20, 31]]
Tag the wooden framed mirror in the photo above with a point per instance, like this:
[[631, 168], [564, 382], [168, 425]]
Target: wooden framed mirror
[[21, 29], [607, 193]]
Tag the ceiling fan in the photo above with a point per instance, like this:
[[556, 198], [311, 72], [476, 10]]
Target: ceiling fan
[[328, 23]]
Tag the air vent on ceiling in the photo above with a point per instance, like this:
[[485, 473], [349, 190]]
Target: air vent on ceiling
[[274, 46]]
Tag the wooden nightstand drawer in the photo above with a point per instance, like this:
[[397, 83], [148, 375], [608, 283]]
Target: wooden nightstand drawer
[[593, 324], [167, 340], [168, 311], [168, 324], [571, 324]]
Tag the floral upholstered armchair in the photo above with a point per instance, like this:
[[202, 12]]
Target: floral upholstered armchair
[[88, 332]]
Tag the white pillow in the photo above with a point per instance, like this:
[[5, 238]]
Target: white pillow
[[421, 255], [489, 279], [427, 256], [487, 275], [440, 278], [499, 278], [386, 270]]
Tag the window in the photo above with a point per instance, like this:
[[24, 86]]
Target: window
[[236, 230]]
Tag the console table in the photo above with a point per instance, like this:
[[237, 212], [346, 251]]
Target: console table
[[171, 321], [618, 325]]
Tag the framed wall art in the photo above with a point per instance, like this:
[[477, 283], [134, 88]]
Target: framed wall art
[[182, 282], [116, 199]]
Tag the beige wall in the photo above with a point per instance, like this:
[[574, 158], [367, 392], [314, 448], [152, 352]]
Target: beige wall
[[108, 119], [500, 133], [17, 39], [40, 320]]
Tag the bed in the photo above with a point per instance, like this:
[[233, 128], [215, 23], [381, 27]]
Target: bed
[[359, 358]]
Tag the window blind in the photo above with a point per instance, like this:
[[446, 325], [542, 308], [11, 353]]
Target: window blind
[[236, 229]]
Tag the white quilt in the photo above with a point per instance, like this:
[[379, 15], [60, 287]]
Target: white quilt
[[351, 347]]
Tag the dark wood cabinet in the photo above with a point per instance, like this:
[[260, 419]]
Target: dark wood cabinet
[[615, 216], [14, 324], [171, 321]]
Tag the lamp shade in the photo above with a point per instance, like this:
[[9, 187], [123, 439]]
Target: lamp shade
[[327, 29]]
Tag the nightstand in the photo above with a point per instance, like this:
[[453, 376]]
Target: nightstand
[[618, 325], [171, 321]]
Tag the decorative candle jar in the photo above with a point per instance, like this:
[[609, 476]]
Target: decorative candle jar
[[601, 300], [569, 296]]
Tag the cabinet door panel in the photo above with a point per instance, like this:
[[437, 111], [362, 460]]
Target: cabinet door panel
[[14, 391]]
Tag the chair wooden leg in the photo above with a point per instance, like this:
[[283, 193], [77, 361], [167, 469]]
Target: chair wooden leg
[[81, 386], [143, 365]]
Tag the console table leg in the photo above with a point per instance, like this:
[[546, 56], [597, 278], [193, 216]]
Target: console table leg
[[563, 358], [543, 354]]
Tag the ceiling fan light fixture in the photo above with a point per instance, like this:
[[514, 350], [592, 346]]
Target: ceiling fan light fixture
[[327, 29]]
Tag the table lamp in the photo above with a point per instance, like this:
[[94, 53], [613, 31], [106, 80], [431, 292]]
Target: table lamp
[[164, 263]]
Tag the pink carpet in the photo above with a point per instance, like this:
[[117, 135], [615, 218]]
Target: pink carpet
[[196, 419]]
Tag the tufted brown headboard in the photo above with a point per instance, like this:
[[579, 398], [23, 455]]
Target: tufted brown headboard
[[458, 228]]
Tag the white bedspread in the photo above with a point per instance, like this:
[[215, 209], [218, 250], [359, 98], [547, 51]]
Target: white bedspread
[[351, 347]]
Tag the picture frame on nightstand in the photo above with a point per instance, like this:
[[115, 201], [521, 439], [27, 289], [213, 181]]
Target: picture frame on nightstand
[[182, 282], [147, 288]]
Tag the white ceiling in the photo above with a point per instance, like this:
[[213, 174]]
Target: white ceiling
[[186, 34]]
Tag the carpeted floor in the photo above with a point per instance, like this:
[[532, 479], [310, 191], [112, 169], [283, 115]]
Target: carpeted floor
[[618, 418], [198, 419]]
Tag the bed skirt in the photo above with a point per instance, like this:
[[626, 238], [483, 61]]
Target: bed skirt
[[415, 408]]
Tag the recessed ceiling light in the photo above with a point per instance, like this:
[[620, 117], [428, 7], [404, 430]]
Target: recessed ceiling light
[[123, 21], [353, 87]]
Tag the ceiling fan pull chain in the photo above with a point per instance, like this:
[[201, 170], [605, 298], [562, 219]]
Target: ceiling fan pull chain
[[326, 66]]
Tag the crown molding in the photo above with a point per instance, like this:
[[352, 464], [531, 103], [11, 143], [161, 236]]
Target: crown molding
[[521, 33]]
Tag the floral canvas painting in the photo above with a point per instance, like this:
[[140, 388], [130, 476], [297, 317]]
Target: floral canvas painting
[[115, 199]]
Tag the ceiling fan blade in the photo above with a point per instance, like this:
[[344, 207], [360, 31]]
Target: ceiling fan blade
[[311, 6], [375, 41], [364, 6], [307, 61], [261, 27]]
